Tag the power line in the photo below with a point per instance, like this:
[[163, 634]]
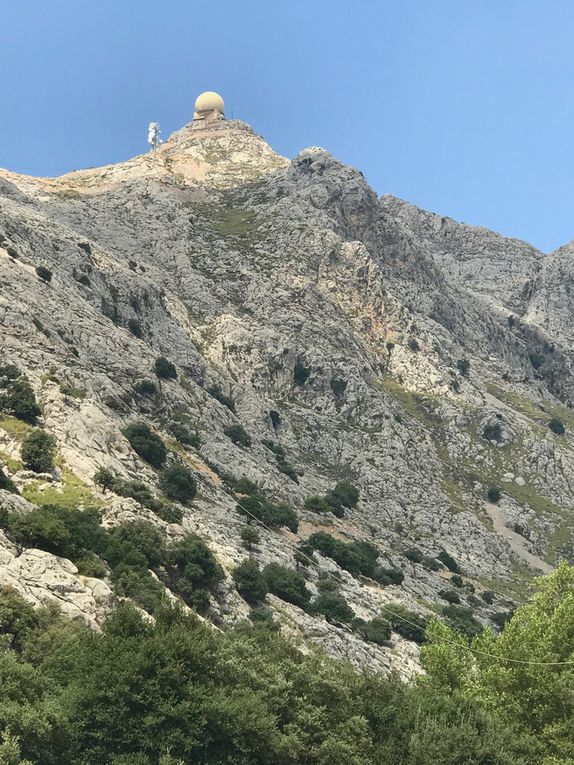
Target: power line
[[475, 651]]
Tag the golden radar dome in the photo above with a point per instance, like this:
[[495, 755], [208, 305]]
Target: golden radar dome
[[208, 101]]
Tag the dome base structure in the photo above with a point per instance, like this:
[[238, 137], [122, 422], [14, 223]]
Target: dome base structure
[[209, 108]]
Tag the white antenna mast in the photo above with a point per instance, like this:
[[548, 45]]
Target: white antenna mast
[[153, 133]]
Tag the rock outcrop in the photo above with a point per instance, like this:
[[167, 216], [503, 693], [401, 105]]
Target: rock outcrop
[[373, 341]]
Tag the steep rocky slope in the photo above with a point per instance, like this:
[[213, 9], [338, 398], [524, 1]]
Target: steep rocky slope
[[373, 342]]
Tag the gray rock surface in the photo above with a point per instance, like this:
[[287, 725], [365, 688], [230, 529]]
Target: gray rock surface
[[411, 333]]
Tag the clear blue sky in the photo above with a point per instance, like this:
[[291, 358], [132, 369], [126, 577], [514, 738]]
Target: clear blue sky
[[464, 107]]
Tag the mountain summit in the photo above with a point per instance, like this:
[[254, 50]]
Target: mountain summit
[[288, 339]]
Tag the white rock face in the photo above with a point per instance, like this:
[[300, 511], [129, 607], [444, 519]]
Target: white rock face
[[43, 579], [372, 340]]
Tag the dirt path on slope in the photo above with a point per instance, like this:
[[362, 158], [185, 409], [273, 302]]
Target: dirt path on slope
[[515, 541]]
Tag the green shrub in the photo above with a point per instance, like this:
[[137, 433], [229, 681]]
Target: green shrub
[[275, 418], [536, 359], [461, 619], [241, 485], [406, 623], [165, 369], [194, 571], [413, 344], [388, 576], [556, 426], [284, 467], [19, 399], [139, 585], [488, 596], [449, 562], [6, 483], [501, 618], [44, 273], [38, 450], [317, 504], [338, 386], [146, 444], [141, 492], [249, 536], [168, 512], [269, 513], [18, 619], [276, 448], [333, 606], [178, 483], [301, 559], [492, 432], [238, 435], [344, 494], [327, 583], [145, 388], [89, 564], [43, 528], [355, 557], [183, 435], [456, 580], [84, 279], [306, 552], [216, 393], [378, 630], [451, 596], [104, 478], [287, 469], [287, 584], [135, 544], [494, 494], [262, 617], [135, 328], [250, 582], [463, 366], [69, 533], [300, 373], [414, 554], [8, 373]]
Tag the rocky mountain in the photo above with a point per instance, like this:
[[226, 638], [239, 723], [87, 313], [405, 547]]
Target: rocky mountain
[[320, 336]]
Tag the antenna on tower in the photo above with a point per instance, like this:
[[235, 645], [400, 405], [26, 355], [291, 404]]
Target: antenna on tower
[[153, 133]]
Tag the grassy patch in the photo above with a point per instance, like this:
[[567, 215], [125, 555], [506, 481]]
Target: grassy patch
[[12, 464], [431, 605], [421, 407], [560, 542], [71, 493], [532, 410], [71, 391], [518, 587], [408, 400], [528, 495], [229, 221], [453, 490], [516, 401], [562, 413], [14, 426]]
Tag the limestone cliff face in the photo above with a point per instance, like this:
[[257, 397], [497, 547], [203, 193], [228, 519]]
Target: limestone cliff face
[[385, 337]]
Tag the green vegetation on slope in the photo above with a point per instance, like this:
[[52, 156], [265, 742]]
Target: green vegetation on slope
[[176, 692]]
